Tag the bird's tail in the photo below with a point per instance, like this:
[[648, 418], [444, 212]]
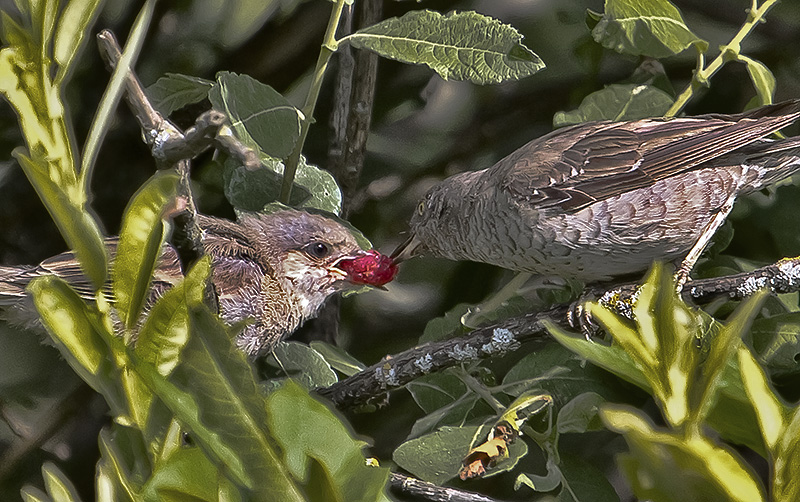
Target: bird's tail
[[13, 282], [775, 160]]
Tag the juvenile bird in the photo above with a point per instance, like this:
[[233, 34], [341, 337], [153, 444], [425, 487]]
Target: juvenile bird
[[600, 200], [275, 269]]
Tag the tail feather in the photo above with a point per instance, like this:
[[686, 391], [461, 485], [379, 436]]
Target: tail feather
[[13, 281], [771, 161]]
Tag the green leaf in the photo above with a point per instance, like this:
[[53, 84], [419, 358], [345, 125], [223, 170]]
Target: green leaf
[[663, 343], [770, 411], [74, 326], [113, 93], [786, 483], [447, 326], [73, 26], [776, 341], [762, 78], [184, 473], [446, 400], [584, 481], [460, 45], [720, 352], [546, 483], [248, 190], [580, 414], [78, 226], [57, 485], [437, 457], [216, 394], [114, 477], [563, 374], [33, 494], [304, 365], [261, 117], [166, 328], [140, 245], [468, 405], [338, 358], [613, 358], [617, 102], [660, 460], [173, 91], [434, 391], [732, 412], [309, 433], [49, 162], [652, 28]]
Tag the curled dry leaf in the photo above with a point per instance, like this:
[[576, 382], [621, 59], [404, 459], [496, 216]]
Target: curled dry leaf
[[486, 455]]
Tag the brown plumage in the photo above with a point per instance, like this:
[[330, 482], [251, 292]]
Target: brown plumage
[[604, 199], [274, 269]]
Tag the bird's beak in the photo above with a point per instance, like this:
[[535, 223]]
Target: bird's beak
[[408, 249]]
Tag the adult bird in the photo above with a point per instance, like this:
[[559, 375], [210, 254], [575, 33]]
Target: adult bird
[[275, 270], [600, 200]]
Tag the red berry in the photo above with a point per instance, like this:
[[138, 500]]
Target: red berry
[[371, 268]]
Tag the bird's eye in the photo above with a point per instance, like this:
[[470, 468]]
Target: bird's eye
[[421, 208], [318, 250]]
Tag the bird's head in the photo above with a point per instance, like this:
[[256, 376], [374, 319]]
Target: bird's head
[[315, 256], [436, 215]]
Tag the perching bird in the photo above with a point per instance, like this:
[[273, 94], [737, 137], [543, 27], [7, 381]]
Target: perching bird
[[600, 200], [275, 269]]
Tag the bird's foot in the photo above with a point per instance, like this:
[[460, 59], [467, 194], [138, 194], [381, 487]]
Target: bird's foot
[[580, 317], [619, 300]]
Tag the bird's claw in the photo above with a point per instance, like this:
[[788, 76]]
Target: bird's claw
[[580, 317]]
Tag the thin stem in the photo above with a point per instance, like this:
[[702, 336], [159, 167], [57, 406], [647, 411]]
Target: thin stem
[[329, 46], [481, 390], [755, 16], [476, 317]]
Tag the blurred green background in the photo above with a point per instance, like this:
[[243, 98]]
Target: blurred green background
[[423, 130]]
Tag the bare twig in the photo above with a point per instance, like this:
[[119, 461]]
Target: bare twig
[[352, 116], [173, 148], [429, 491]]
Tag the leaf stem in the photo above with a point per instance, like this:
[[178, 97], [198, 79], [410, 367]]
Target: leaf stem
[[478, 388], [727, 52], [329, 46]]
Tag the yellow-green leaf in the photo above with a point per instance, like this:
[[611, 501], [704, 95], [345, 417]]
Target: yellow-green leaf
[[770, 411]]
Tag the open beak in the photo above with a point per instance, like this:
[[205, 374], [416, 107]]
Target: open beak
[[408, 249]]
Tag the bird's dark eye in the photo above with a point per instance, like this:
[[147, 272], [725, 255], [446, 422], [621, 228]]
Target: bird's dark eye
[[421, 208], [318, 250]]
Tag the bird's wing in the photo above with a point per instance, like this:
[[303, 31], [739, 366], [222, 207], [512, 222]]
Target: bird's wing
[[577, 166], [66, 267]]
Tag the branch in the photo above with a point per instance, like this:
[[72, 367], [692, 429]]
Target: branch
[[780, 277], [395, 371], [354, 99], [172, 148], [429, 491]]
